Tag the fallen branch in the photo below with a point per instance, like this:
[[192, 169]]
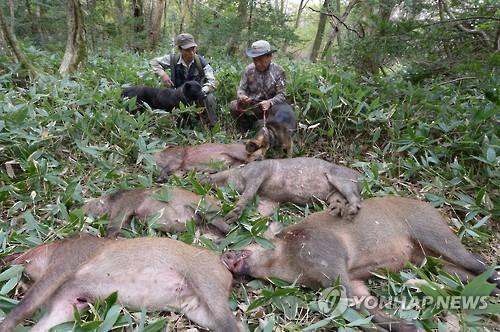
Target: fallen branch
[[457, 79]]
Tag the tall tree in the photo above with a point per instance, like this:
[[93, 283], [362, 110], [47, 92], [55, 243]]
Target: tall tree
[[76, 50], [320, 31], [12, 8], [35, 21], [154, 33], [234, 43], [12, 44], [337, 22], [300, 9], [137, 13]]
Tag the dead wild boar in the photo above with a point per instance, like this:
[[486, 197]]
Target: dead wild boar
[[175, 206], [204, 158], [295, 180], [152, 273], [385, 234]]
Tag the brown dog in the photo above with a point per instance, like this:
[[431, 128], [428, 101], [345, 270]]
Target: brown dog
[[385, 234], [295, 180], [152, 273], [204, 157], [174, 207], [276, 132]]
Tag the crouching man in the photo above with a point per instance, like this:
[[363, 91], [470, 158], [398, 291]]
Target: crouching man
[[262, 87], [188, 66]]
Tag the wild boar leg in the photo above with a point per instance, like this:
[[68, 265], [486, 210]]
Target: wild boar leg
[[382, 320], [251, 188], [60, 309], [221, 225], [350, 191], [116, 222], [465, 276], [453, 251], [216, 317], [218, 179]]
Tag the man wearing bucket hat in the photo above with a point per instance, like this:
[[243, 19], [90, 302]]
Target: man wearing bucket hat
[[187, 66], [262, 86]]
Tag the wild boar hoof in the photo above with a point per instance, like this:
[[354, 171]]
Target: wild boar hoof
[[335, 210], [353, 209]]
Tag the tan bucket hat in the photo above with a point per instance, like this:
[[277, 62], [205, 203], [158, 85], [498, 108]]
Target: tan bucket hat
[[260, 47]]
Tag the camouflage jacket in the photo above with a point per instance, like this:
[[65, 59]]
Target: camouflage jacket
[[263, 86]]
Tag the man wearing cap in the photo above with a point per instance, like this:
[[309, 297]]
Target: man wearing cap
[[261, 87], [188, 66]]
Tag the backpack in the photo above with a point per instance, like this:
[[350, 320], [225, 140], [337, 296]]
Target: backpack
[[174, 58]]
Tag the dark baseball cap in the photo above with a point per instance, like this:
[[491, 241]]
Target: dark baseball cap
[[185, 41]]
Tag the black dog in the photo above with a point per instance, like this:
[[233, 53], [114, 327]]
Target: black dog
[[165, 99], [276, 131]]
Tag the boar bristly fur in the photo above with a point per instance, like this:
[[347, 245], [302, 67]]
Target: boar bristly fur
[[387, 233], [173, 214], [152, 273], [295, 180]]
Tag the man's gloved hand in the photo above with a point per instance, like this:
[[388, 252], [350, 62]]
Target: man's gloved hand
[[206, 89]]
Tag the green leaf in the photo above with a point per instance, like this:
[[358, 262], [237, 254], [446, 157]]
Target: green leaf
[[479, 286], [258, 303], [110, 319], [491, 154], [14, 272], [318, 325], [265, 243], [156, 326]]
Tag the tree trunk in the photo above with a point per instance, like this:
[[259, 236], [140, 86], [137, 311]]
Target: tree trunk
[[302, 5], [154, 34], [234, 44], [12, 9], [91, 36], [76, 51], [12, 44], [38, 24], [119, 16], [137, 13], [321, 30], [447, 48], [336, 24], [35, 19], [339, 35], [249, 25], [480, 33], [119, 11]]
